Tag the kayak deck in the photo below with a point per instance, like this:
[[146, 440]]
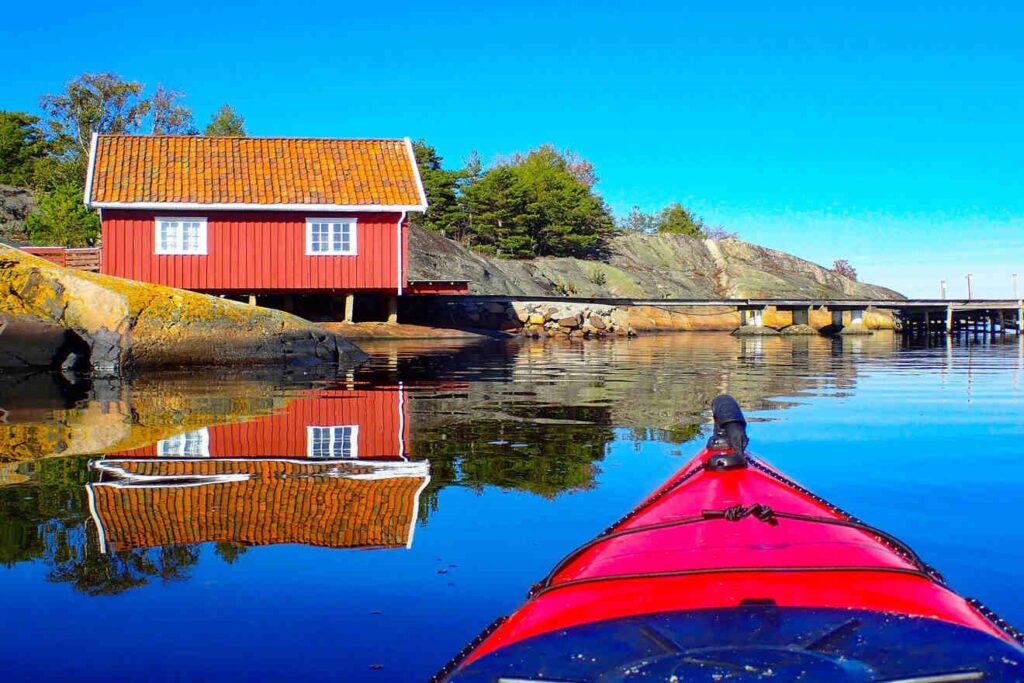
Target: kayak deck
[[724, 538]]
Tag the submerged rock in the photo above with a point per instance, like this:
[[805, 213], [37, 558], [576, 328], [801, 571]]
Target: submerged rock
[[856, 328], [755, 331], [797, 330], [119, 324]]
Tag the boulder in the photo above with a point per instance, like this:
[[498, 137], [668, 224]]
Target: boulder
[[119, 324], [536, 319], [597, 322], [571, 322]]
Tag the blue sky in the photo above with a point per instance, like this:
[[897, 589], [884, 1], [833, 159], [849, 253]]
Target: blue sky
[[889, 134]]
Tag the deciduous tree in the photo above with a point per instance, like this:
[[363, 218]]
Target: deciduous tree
[[637, 221], [94, 103], [169, 115], [843, 267]]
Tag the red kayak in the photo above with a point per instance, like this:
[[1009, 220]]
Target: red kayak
[[732, 572]]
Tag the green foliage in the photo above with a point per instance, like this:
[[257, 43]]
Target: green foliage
[[565, 288], [229, 551], [597, 277], [169, 116], [536, 205], [226, 123], [61, 219], [637, 221], [22, 146], [94, 103], [502, 216], [47, 520], [676, 219], [445, 213]]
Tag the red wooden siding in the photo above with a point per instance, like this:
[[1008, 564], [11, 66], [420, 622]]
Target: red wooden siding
[[84, 258], [382, 417], [251, 252], [438, 287]]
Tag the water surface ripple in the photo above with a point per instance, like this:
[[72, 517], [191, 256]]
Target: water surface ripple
[[364, 526]]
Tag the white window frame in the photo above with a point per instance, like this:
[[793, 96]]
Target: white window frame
[[312, 430], [353, 235], [175, 446], [159, 248]]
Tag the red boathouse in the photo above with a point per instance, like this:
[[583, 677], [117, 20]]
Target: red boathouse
[[256, 216]]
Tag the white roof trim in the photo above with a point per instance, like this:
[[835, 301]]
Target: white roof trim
[[87, 195], [189, 206], [416, 171]]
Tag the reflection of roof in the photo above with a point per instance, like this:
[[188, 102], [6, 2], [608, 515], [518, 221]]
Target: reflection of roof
[[337, 504]]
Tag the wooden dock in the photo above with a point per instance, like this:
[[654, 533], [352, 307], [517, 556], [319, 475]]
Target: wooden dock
[[914, 316]]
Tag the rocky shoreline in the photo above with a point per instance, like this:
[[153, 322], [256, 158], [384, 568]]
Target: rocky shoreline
[[54, 317], [577, 320]]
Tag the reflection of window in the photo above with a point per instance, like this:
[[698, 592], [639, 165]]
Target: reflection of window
[[333, 442], [188, 445]]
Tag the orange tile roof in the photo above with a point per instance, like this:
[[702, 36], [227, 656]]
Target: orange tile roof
[[278, 502], [260, 172]]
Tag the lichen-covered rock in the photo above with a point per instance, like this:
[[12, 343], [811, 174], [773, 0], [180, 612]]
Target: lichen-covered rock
[[124, 323], [798, 330], [755, 331], [856, 328]]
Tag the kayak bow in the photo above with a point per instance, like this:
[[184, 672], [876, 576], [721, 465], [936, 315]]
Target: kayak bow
[[732, 571]]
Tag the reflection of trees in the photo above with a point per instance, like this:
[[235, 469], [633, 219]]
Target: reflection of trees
[[229, 551], [48, 519], [79, 563]]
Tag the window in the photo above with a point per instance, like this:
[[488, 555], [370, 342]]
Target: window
[[181, 236], [188, 445], [330, 237], [333, 442]]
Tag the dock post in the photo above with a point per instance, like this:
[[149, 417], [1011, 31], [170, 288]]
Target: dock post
[[837, 318], [252, 299], [949, 318], [801, 316], [392, 308], [754, 318], [350, 305], [927, 323], [857, 316]]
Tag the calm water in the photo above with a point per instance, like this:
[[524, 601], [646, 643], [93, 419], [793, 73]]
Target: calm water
[[407, 504]]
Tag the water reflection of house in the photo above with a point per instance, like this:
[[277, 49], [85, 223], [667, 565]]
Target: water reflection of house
[[339, 423], [331, 470]]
